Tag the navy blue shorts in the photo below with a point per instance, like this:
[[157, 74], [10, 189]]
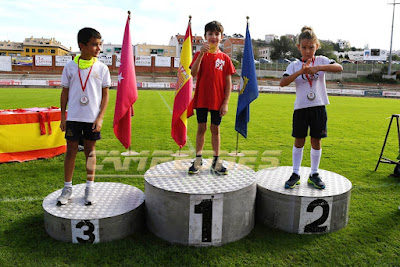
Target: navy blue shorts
[[76, 129], [314, 118], [202, 114]]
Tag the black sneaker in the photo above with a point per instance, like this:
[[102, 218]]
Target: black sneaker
[[218, 169], [316, 181], [293, 181], [196, 164]]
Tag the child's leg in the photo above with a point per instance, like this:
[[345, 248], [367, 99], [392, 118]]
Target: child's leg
[[315, 154], [200, 137], [90, 154], [297, 154], [69, 162], [215, 139]]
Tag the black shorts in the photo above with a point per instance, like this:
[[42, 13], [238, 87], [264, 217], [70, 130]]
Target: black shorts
[[76, 129], [202, 114], [313, 117]]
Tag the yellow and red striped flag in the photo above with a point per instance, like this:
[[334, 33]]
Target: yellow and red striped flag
[[183, 92]]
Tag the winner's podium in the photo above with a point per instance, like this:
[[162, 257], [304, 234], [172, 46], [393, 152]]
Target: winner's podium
[[303, 209], [200, 209], [117, 213]]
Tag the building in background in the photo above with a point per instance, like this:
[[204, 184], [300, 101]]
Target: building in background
[[270, 37], [232, 46], [43, 46], [154, 50], [8, 48], [33, 46], [343, 44], [177, 42], [265, 52], [111, 49]]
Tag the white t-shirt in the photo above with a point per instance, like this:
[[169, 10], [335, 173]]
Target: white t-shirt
[[303, 86], [99, 79]]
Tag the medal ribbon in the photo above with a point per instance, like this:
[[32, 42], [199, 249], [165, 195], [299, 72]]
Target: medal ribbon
[[310, 81], [87, 78]]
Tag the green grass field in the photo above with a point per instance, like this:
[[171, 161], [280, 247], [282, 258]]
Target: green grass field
[[356, 130]]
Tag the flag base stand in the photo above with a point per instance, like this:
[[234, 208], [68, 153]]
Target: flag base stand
[[130, 153], [236, 154], [179, 155]]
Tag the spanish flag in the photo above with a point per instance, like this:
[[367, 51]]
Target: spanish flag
[[183, 92]]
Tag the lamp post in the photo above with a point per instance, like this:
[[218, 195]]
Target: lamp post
[[391, 39]]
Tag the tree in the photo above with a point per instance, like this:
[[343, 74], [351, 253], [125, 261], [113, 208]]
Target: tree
[[395, 57], [238, 55], [283, 48], [327, 48]]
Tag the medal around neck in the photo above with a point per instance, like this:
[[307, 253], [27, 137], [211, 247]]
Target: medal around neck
[[84, 100], [311, 96]]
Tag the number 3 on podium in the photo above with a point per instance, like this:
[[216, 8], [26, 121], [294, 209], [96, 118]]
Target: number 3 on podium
[[85, 231]]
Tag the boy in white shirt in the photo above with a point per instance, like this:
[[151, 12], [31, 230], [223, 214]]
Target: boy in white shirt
[[85, 83]]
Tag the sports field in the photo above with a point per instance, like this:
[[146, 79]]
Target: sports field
[[356, 130]]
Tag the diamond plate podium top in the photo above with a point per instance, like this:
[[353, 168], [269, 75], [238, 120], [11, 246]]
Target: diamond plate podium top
[[112, 199], [274, 179], [173, 176]]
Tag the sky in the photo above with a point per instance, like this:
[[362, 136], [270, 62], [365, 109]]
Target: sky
[[362, 23]]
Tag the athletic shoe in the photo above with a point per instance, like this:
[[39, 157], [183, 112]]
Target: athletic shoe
[[293, 181], [218, 169], [81, 148], [196, 164], [66, 194], [89, 196], [316, 181]]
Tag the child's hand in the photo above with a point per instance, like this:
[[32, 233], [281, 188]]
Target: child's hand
[[96, 127], [205, 48], [223, 110], [305, 69], [63, 125]]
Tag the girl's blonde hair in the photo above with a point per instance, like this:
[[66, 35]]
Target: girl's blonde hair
[[308, 33]]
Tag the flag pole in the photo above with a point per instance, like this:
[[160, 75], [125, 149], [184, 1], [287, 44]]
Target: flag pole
[[236, 153], [129, 152], [178, 154]]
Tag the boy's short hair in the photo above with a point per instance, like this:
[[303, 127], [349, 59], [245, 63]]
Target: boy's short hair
[[214, 26], [85, 34]]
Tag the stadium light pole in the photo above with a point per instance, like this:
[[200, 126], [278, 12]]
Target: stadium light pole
[[391, 40]]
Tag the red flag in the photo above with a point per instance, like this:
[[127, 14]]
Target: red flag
[[126, 92], [183, 92]]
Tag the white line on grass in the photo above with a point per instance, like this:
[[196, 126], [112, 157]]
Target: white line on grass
[[23, 199], [170, 111]]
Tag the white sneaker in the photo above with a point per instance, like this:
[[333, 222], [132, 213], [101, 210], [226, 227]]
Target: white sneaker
[[89, 196], [65, 196]]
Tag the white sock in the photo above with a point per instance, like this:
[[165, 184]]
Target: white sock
[[315, 159], [89, 183], [68, 184], [297, 157]]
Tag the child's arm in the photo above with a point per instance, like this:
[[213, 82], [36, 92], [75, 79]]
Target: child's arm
[[103, 105], [196, 64], [63, 102], [228, 86], [286, 80], [335, 67]]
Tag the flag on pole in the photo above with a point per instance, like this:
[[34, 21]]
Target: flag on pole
[[183, 92], [248, 87], [126, 91]]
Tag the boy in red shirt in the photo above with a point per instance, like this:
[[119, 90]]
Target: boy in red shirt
[[213, 70]]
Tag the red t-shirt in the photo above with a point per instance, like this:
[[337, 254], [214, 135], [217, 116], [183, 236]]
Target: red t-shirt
[[210, 85]]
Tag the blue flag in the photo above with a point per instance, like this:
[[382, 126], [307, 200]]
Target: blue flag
[[248, 87]]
